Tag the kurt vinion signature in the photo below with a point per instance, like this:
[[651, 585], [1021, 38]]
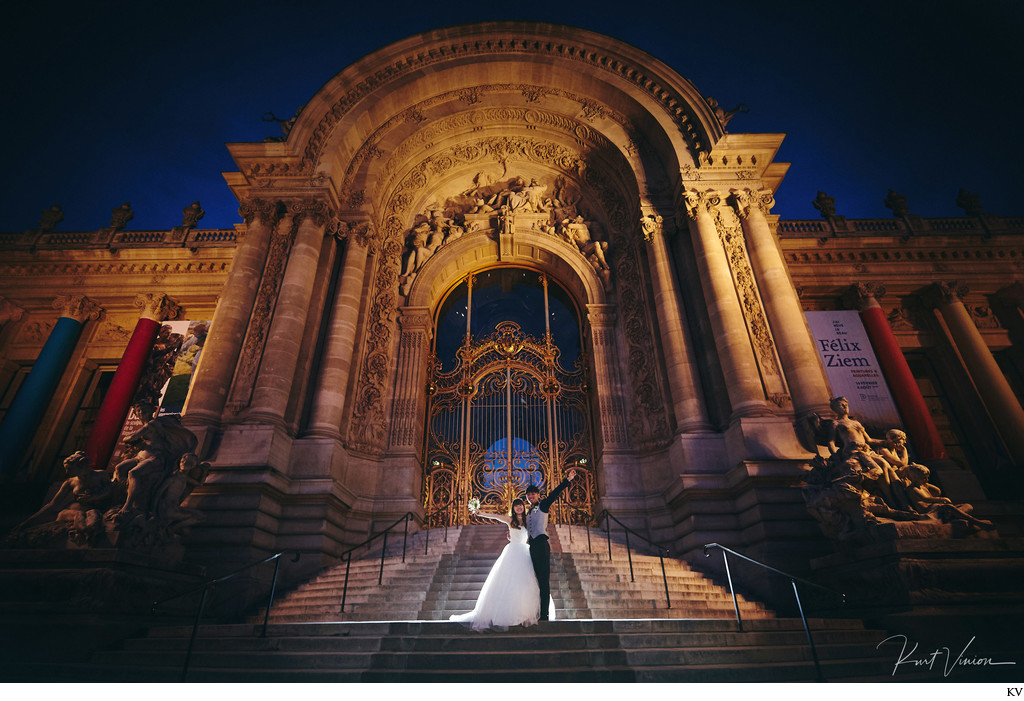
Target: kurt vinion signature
[[949, 663]]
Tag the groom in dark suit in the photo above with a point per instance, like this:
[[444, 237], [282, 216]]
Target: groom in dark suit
[[536, 529]]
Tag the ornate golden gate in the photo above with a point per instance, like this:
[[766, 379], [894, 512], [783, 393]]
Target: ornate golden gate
[[507, 415]]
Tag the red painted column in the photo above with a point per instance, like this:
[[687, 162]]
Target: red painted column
[[114, 409], [923, 434]]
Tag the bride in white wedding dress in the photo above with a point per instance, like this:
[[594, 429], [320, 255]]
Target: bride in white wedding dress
[[510, 595]]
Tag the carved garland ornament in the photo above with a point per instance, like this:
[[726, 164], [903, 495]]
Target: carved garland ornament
[[675, 105]]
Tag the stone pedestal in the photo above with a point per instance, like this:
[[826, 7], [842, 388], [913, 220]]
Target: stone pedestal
[[92, 581], [936, 572]]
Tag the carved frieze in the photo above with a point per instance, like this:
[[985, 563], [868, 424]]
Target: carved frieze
[[33, 333]]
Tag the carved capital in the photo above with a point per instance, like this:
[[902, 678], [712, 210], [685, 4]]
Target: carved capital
[[158, 307], [316, 210], [78, 307], [601, 315], [256, 208], [9, 311], [652, 225], [946, 292], [414, 318], [362, 233], [860, 295], [749, 201], [696, 202]]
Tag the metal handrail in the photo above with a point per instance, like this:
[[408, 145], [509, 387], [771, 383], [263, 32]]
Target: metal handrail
[[346, 556], [427, 529], [205, 588], [793, 580], [607, 516]]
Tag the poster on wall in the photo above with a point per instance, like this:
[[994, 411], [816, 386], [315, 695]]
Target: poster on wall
[[167, 377], [175, 391], [852, 369]]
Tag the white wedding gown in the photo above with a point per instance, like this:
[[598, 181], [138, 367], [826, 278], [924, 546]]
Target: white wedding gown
[[510, 595]]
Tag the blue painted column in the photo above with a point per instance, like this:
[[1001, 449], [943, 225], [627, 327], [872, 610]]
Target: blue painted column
[[33, 397]]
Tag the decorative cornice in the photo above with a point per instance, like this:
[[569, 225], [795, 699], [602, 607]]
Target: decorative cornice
[[78, 307]]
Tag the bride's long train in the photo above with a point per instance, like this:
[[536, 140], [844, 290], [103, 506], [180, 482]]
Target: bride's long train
[[510, 595]]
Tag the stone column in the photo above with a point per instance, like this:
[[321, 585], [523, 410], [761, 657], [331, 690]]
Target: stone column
[[684, 384], [804, 373], [411, 378], [33, 397], [210, 387], [284, 340], [608, 381], [743, 382], [995, 391], [924, 436], [332, 385], [156, 309]]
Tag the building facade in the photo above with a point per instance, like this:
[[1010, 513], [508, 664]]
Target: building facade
[[484, 255]]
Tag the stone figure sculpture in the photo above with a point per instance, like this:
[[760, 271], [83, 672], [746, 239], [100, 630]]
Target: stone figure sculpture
[[138, 508], [76, 509], [577, 232], [865, 482]]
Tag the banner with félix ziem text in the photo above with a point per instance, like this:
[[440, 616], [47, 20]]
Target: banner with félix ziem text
[[852, 369]]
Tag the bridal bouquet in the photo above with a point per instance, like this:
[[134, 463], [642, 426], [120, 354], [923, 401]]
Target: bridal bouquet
[[474, 505]]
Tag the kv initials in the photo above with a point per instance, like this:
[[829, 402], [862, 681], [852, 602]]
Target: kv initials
[[1014, 691]]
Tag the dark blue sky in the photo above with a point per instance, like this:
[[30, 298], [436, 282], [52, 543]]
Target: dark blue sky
[[107, 102]]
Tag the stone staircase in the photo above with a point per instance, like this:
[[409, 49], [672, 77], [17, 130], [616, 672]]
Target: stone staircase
[[448, 580], [609, 629]]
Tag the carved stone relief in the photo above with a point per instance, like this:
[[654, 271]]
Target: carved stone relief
[[262, 313], [731, 235]]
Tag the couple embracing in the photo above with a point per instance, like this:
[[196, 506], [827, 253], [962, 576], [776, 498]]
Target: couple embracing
[[517, 590]]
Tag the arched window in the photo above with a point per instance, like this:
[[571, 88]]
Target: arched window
[[508, 403]]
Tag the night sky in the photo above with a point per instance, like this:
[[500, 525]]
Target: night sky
[[107, 102]]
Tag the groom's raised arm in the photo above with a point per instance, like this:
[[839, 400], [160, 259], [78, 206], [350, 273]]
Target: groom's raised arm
[[545, 503]]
